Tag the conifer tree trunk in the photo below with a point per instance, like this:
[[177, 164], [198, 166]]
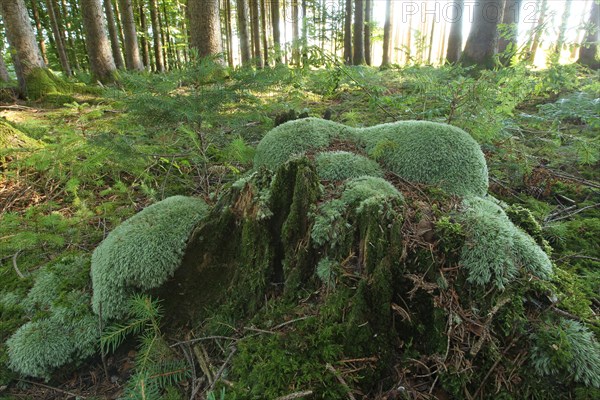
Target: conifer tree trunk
[[118, 19], [588, 53], [387, 34], [358, 57], [133, 61], [263, 33], [73, 38], [40, 33], [102, 64], [563, 29], [4, 76], [507, 42], [21, 38], [113, 35], [256, 37], [276, 32], [455, 40], [538, 30], [228, 33], [242, 25], [205, 27], [368, 21], [147, 62], [59, 41], [295, 33], [481, 46], [156, 37], [164, 36], [348, 32]]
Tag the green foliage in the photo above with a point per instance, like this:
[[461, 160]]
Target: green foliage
[[568, 350], [496, 250], [578, 108], [143, 252], [430, 153], [342, 165]]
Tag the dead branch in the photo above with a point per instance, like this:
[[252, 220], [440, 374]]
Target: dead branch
[[341, 380], [71, 394], [15, 266], [296, 395]]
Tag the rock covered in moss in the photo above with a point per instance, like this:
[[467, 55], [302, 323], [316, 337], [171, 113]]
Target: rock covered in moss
[[142, 252], [342, 165]]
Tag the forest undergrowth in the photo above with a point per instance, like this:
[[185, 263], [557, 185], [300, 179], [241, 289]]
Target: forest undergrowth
[[90, 161]]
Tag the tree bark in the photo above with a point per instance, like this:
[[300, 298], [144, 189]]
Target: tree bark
[[387, 34], [562, 30], [156, 37], [133, 61], [588, 53], [4, 77], [113, 34], [348, 32], [205, 27], [74, 37], [40, 33], [263, 33], [242, 25], [455, 39], [358, 57], [481, 46], [21, 37], [59, 40], [507, 42], [368, 21], [102, 64], [538, 30], [147, 63], [295, 33], [276, 32]]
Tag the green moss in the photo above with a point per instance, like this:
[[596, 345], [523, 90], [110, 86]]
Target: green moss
[[524, 219], [293, 138], [359, 191], [342, 165], [143, 252], [495, 249], [41, 82], [430, 153]]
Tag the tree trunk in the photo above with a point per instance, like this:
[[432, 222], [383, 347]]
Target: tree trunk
[[263, 33], [118, 19], [256, 37], [59, 41], [387, 34], [27, 56], [113, 34], [74, 35], [40, 33], [538, 30], [368, 21], [147, 63], [276, 33], [205, 27], [348, 33], [481, 46], [4, 77], [507, 42], [295, 33], [588, 53], [102, 64], [358, 57], [156, 37], [228, 33], [455, 40], [132, 50], [563, 30], [242, 25]]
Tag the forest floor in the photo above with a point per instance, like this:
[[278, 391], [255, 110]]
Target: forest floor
[[102, 157]]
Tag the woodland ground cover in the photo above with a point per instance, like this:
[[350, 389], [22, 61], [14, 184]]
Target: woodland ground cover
[[103, 157]]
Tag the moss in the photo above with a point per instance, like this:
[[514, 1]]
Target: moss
[[430, 153], [524, 219], [495, 249], [342, 165], [143, 252], [41, 82], [293, 138]]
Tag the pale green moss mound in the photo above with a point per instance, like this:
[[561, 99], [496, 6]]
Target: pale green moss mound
[[294, 138], [358, 190], [495, 249], [143, 252], [12, 138], [430, 153], [342, 165]]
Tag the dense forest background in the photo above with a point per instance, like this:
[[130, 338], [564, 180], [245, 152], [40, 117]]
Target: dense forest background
[[114, 112]]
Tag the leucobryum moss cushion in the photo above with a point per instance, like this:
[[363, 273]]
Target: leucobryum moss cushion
[[142, 252]]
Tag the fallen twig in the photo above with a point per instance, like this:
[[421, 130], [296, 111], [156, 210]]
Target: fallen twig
[[296, 395], [15, 266], [578, 256], [191, 341], [340, 379], [573, 213], [220, 371], [53, 388]]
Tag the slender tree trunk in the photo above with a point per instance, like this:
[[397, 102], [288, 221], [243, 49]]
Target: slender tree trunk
[[173, 54], [431, 37], [455, 40], [507, 42], [256, 37], [368, 21], [102, 64], [481, 46], [276, 32], [538, 30], [40, 33], [205, 27], [588, 53], [156, 37], [563, 29], [358, 57], [348, 32], [112, 33], [118, 19], [74, 36], [295, 33], [146, 61], [4, 76], [387, 34], [132, 50], [229, 33], [164, 26], [242, 25], [59, 42], [304, 34], [263, 34]]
